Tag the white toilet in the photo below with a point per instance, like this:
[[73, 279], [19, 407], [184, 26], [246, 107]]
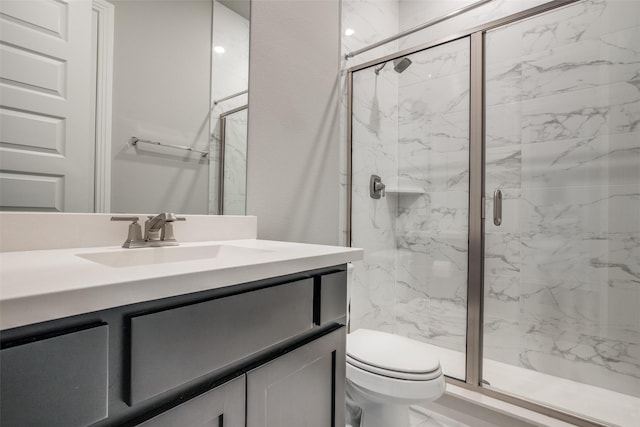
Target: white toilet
[[387, 373]]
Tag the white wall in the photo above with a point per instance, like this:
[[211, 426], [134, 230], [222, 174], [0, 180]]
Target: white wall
[[293, 155], [161, 91]]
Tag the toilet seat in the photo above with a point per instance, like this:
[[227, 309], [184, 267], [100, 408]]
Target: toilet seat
[[391, 356]]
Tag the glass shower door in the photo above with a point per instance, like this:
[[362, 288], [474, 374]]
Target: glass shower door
[[410, 127], [562, 260], [233, 176]]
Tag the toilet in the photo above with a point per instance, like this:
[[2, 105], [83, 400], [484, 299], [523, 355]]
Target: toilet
[[387, 373]]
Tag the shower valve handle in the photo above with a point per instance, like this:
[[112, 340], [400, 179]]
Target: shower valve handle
[[376, 187]]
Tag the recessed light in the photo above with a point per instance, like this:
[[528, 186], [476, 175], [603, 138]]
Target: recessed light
[[349, 32], [218, 49]]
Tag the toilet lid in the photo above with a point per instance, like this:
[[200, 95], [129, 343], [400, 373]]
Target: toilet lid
[[388, 354]]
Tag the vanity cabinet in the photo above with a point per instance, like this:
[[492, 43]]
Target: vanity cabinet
[[302, 388], [205, 334], [55, 380], [224, 406], [269, 353]]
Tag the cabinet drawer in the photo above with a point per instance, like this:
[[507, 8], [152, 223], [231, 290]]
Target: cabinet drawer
[[333, 298], [58, 381], [175, 346], [224, 405]]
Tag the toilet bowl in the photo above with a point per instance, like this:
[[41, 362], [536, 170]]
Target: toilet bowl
[[387, 373]]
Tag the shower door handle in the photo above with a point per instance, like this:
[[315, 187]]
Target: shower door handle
[[497, 207]]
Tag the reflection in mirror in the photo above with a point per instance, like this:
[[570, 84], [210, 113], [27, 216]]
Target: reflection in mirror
[[230, 79], [233, 152], [149, 69]]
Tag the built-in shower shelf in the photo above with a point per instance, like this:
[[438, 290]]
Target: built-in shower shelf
[[404, 190]]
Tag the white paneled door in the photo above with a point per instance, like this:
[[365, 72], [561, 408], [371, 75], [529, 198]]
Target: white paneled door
[[46, 139]]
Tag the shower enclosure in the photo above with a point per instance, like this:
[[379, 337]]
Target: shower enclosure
[[232, 180], [507, 233]]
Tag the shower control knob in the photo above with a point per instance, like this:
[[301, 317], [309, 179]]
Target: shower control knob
[[376, 187]]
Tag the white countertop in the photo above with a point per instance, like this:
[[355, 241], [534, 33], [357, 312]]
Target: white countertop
[[43, 285]]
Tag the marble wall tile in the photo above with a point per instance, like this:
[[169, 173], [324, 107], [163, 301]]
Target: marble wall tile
[[577, 211], [614, 159], [444, 213], [436, 132], [370, 20], [433, 264], [574, 67], [586, 113], [576, 22], [436, 96], [436, 63], [372, 293], [504, 164], [622, 262], [583, 359], [562, 334], [374, 151], [441, 322], [503, 124], [501, 319]]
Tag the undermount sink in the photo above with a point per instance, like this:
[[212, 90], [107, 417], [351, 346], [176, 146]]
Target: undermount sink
[[164, 255]]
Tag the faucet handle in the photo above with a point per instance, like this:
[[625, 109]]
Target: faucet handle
[[135, 219], [134, 238], [167, 237]]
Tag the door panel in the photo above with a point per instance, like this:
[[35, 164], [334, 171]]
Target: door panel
[[562, 267], [46, 145], [223, 406], [302, 388], [411, 128]]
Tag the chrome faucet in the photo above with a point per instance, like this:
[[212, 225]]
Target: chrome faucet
[[158, 230]]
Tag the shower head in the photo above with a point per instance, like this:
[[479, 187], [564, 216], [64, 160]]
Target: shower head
[[399, 65]]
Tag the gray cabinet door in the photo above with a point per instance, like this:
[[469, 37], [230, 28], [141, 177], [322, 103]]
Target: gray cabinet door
[[222, 406], [302, 388], [57, 381]]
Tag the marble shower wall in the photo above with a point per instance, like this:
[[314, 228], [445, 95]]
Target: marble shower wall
[[433, 196], [413, 279], [562, 273], [375, 134]]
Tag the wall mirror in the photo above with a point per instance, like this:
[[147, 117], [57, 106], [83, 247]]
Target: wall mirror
[[116, 105]]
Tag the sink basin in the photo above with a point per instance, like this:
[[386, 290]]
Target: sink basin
[[164, 255]]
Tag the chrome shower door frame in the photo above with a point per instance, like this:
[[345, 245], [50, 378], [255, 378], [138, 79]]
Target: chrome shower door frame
[[475, 289]]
